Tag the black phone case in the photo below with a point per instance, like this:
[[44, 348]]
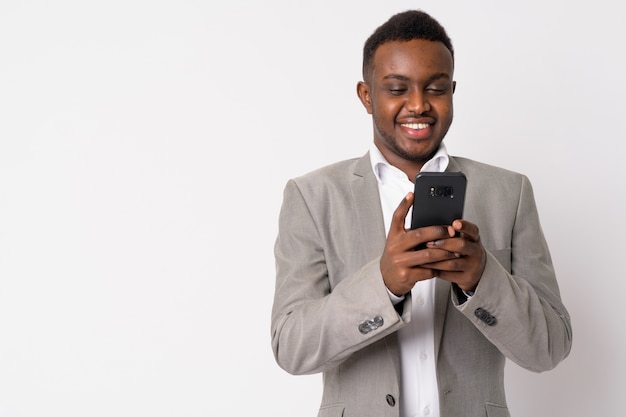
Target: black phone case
[[439, 198]]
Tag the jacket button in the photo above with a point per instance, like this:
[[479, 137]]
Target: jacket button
[[369, 325], [390, 400], [485, 316]]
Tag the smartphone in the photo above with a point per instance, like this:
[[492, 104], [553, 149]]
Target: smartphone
[[439, 198]]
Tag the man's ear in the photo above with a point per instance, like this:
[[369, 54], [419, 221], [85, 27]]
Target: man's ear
[[453, 86], [363, 91]]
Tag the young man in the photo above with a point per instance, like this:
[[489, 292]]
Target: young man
[[398, 331]]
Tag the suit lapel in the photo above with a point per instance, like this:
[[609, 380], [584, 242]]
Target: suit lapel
[[442, 298], [369, 213], [453, 166], [368, 209]]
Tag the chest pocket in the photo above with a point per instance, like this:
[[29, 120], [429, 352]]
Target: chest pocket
[[495, 410], [334, 410]]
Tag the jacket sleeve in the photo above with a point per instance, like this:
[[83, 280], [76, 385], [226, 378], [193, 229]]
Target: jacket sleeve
[[517, 304], [319, 321]]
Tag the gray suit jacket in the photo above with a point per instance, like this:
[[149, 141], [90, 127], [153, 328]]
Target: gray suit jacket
[[332, 312]]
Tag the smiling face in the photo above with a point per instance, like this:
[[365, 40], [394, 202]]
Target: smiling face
[[408, 91]]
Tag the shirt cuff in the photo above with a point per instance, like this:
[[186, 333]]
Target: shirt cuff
[[395, 300]]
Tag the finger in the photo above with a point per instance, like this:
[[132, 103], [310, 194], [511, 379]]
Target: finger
[[460, 279], [400, 213], [419, 238], [468, 230], [465, 272], [459, 247], [435, 258]]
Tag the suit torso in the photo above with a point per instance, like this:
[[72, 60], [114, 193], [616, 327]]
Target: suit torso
[[336, 215]]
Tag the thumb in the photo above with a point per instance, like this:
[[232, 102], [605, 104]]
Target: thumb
[[399, 215]]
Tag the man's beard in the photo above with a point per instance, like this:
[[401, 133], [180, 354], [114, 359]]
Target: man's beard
[[390, 140]]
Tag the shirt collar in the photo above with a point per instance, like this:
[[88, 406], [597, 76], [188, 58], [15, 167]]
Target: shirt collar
[[381, 167]]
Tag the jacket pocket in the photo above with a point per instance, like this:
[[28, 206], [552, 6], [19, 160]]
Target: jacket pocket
[[496, 410], [331, 410]]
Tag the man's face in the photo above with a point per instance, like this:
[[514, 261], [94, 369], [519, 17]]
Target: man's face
[[409, 95]]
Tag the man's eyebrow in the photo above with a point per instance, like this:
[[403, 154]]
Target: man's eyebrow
[[439, 76], [396, 77], [430, 79]]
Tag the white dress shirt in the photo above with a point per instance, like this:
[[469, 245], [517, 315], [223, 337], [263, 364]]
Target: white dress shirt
[[419, 394]]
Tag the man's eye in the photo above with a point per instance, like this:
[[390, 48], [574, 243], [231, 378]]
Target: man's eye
[[436, 91], [397, 91]]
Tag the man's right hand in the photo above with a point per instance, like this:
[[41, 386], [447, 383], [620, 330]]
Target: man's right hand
[[400, 264]]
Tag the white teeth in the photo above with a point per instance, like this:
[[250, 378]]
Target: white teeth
[[415, 126]]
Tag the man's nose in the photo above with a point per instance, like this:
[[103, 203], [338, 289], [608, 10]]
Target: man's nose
[[417, 102]]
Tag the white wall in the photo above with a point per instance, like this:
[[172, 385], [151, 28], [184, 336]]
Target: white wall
[[144, 146]]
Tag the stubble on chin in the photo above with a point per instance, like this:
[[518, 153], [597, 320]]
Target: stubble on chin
[[392, 144]]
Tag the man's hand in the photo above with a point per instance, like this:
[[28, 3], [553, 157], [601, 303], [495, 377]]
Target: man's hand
[[458, 259], [468, 265]]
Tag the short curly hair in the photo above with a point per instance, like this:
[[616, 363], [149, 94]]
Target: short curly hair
[[405, 26]]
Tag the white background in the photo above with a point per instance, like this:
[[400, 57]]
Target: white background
[[144, 146]]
